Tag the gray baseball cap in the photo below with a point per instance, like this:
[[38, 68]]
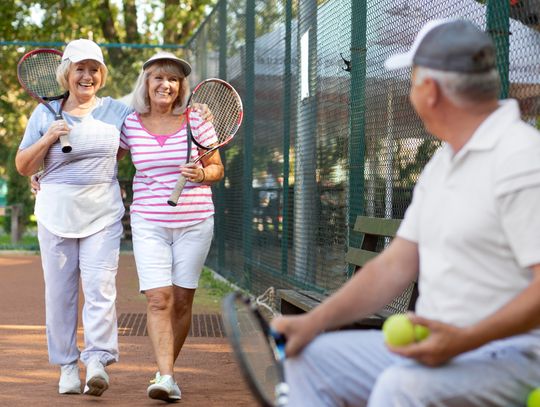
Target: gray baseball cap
[[449, 45], [171, 57]]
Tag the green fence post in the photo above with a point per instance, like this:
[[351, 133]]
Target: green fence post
[[498, 26], [286, 139], [305, 184], [220, 187], [357, 145], [249, 126]]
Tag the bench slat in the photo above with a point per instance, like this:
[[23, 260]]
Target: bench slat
[[376, 226], [359, 257]]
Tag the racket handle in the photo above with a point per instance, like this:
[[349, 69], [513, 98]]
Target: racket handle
[[64, 142], [175, 195]]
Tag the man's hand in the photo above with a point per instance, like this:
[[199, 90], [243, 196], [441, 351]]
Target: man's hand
[[34, 181], [204, 111], [299, 330], [443, 343]]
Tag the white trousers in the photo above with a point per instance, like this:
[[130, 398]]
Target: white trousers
[[354, 368], [93, 261]]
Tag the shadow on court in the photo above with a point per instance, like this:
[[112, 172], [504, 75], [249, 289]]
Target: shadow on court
[[206, 370]]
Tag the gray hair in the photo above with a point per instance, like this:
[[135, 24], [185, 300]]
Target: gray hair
[[463, 89], [62, 74], [141, 102]]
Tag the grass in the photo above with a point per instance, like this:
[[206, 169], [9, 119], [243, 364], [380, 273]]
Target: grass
[[27, 242], [210, 293]]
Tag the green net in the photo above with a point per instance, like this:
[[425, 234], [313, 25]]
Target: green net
[[328, 133]]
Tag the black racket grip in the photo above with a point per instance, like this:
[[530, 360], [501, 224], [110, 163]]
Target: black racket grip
[[177, 191], [64, 140]]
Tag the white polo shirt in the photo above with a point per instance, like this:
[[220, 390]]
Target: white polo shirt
[[475, 216]]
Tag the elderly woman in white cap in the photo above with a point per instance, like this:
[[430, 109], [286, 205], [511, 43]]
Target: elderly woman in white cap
[[79, 211], [170, 244]]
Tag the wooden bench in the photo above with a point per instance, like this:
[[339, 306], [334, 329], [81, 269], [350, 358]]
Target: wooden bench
[[376, 234]]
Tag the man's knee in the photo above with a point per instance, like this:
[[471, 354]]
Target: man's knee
[[402, 385]]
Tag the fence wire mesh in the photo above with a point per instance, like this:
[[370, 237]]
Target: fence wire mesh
[[329, 133]]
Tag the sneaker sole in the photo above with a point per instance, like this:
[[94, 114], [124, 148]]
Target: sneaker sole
[[69, 391], [96, 386], [162, 394]]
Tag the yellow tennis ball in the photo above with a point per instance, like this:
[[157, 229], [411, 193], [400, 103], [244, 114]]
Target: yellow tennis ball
[[421, 332], [534, 398], [398, 330]]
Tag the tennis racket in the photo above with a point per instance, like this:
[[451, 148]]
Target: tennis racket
[[226, 106], [37, 74], [260, 351]]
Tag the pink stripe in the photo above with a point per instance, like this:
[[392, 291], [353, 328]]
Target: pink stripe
[[176, 220], [174, 213], [157, 151], [156, 159]]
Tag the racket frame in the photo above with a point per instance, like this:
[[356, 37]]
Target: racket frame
[[179, 186], [44, 100], [275, 341]]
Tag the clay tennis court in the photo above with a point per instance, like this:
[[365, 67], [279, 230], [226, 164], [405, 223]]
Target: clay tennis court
[[206, 370]]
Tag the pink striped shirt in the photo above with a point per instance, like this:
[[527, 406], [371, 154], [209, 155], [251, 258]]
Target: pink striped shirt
[[157, 159]]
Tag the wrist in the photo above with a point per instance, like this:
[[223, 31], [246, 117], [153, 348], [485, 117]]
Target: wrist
[[203, 176]]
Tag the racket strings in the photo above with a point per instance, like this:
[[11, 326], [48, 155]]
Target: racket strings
[[225, 106], [38, 73]]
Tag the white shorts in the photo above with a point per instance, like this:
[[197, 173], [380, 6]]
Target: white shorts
[[167, 256]]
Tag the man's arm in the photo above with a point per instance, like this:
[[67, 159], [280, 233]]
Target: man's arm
[[518, 316], [374, 286]]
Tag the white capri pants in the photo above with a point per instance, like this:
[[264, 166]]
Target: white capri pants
[[354, 368], [166, 256], [94, 261]]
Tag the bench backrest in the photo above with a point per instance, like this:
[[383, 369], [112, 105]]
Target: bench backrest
[[374, 231]]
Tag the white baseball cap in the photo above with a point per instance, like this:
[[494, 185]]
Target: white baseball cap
[[186, 67], [79, 50]]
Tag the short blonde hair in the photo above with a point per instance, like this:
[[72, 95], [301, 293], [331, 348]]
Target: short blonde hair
[[141, 102], [62, 74]]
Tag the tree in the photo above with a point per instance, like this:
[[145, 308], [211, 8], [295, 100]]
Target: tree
[[105, 21]]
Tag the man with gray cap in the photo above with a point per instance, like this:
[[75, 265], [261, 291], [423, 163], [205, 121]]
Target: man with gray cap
[[470, 236]]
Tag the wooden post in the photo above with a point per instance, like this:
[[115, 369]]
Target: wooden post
[[15, 230]]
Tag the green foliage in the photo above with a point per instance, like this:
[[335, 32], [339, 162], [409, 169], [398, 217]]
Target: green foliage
[[18, 193], [105, 22]]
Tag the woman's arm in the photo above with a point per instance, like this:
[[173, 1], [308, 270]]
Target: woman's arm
[[29, 160]]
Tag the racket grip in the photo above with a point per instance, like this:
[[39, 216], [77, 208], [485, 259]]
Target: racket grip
[[64, 142], [175, 195]]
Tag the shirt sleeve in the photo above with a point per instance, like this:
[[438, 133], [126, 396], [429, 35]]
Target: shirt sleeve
[[203, 131], [124, 142], [517, 194], [409, 227], [37, 126]]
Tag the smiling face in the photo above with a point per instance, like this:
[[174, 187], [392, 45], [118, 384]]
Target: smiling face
[[84, 79], [164, 86]]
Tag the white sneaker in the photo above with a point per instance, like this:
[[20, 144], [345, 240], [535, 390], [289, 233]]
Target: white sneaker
[[97, 380], [164, 388], [70, 382]]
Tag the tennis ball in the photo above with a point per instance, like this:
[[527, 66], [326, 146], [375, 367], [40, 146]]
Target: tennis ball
[[534, 398], [398, 330], [420, 332]]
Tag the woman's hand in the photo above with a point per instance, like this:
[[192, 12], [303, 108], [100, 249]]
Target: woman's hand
[[193, 173], [56, 129], [203, 111]]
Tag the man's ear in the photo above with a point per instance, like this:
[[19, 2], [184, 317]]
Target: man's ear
[[433, 92]]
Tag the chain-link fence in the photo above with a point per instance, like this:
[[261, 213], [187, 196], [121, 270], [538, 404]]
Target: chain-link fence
[[329, 134]]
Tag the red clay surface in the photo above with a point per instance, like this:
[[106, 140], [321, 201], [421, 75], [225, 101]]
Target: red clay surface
[[206, 370]]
